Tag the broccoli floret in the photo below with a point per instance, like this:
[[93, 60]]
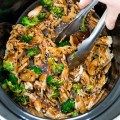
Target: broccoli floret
[[83, 25], [57, 11], [5, 74], [4, 85], [46, 3], [31, 52], [22, 100], [57, 68], [76, 88], [42, 16], [16, 88], [89, 88], [55, 92], [64, 42], [12, 78], [36, 69], [74, 114], [26, 38], [52, 82], [68, 106], [12, 83], [8, 65], [26, 21]]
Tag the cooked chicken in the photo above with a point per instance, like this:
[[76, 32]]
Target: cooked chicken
[[40, 78]]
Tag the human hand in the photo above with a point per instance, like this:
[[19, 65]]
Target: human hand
[[113, 10]]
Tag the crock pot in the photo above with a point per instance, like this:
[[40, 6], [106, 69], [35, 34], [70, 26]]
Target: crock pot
[[113, 83]]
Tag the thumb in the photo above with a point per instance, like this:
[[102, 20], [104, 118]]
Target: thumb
[[84, 3], [111, 17]]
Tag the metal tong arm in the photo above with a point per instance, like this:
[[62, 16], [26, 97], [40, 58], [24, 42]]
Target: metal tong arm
[[85, 47], [73, 26], [89, 42], [85, 10]]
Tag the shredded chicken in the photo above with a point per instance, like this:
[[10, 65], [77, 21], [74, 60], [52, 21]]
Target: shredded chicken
[[44, 71]]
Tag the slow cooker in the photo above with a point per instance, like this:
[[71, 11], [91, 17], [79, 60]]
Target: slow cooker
[[107, 109]]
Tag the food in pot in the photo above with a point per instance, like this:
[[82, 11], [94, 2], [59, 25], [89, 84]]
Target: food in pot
[[37, 75]]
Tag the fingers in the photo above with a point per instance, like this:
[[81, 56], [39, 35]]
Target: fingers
[[84, 3], [111, 17]]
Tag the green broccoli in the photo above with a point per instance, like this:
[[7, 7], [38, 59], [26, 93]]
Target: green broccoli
[[42, 16], [46, 3], [68, 106], [55, 92], [26, 21], [76, 88], [26, 38], [12, 78], [57, 11], [8, 65], [52, 82], [4, 85], [74, 114], [22, 100], [57, 68], [36, 69], [89, 88], [4, 74], [83, 25], [16, 88], [12, 83], [9, 82], [64, 42], [31, 52]]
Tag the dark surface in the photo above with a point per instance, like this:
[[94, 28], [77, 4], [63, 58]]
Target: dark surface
[[10, 10]]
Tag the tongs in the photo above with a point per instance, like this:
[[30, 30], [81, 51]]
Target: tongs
[[83, 48]]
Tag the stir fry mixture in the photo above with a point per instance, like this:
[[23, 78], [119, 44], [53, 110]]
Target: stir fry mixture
[[37, 75]]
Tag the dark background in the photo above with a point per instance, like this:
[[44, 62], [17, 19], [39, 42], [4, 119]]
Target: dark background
[[10, 10]]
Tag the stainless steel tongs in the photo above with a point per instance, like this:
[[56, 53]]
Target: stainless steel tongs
[[85, 47]]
